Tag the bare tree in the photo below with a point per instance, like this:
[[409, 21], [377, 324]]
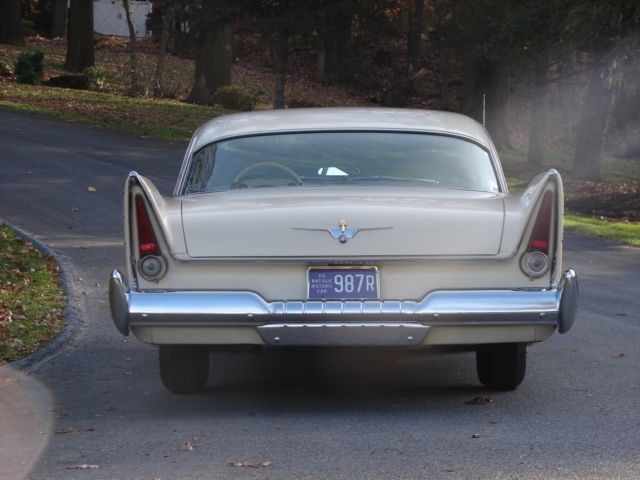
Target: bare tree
[[136, 87], [166, 21]]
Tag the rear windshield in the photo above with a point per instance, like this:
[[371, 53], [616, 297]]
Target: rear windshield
[[298, 160]]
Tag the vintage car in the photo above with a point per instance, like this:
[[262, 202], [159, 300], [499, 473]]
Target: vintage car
[[343, 227]]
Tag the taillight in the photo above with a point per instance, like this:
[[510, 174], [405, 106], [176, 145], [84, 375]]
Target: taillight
[[151, 265], [540, 238], [535, 261], [147, 244]]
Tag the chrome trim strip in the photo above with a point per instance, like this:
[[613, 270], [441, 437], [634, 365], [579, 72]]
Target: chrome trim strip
[[205, 308], [350, 261], [344, 334]]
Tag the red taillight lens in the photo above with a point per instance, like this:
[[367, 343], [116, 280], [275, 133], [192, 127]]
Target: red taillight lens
[[541, 237], [147, 244]]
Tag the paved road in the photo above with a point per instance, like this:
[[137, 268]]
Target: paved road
[[577, 415]]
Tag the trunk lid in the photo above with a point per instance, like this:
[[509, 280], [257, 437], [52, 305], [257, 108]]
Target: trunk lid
[[300, 222]]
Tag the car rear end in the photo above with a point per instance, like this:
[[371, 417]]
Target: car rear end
[[331, 255]]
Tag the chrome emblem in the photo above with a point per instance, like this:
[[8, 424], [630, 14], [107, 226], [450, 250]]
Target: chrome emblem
[[342, 232]]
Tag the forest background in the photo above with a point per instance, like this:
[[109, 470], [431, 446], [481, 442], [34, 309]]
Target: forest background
[[555, 82]]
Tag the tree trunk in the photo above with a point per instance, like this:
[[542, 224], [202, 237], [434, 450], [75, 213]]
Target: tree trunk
[[484, 97], [414, 35], [587, 162], [10, 22], [337, 39], [59, 18], [443, 54], [281, 53], [537, 122], [166, 22], [321, 64], [136, 88], [80, 36], [213, 64], [445, 96], [469, 81], [625, 108]]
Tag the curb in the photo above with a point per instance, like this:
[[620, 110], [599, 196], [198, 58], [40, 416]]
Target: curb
[[73, 325]]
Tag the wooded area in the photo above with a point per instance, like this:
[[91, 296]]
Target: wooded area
[[580, 57]]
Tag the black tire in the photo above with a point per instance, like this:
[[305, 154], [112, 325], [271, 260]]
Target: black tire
[[501, 366], [184, 368]]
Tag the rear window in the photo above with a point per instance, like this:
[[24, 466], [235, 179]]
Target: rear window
[[298, 160]]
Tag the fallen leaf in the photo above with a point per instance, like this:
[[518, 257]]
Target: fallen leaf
[[478, 401], [189, 444], [246, 464], [62, 431], [83, 466], [91, 189]]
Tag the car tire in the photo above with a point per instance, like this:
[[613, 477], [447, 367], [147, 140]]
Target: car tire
[[184, 368], [501, 366]]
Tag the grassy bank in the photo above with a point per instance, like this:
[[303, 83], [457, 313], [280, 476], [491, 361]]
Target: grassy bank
[[623, 232], [165, 119], [31, 297]]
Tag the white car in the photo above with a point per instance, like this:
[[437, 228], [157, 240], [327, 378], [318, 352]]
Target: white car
[[348, 227]]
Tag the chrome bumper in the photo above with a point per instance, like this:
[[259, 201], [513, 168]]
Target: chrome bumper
[[385, 322]]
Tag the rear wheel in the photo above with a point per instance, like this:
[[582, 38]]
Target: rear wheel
[[184, 368], [501, 366]]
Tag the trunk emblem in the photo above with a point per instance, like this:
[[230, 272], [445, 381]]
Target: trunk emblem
[[342, 232]]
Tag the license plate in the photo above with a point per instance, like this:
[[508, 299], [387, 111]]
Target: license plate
[[343, 283]]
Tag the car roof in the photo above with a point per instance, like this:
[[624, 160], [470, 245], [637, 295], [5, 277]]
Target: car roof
[[336, 119]]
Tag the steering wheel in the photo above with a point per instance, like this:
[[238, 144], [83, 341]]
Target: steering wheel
[[245, 171]]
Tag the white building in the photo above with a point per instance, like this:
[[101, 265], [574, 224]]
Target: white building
[[109, 17]]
